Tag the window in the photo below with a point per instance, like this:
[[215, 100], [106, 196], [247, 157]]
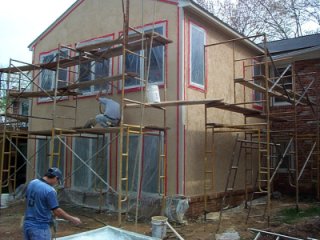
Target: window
[[94, 151], [24, 107], [258, 70], [24, 110], [150, 160], [288, 158], [43, 156], [93, 70], [135, 64], [47, 77], [197, 42], [286, 82], [21, 107]]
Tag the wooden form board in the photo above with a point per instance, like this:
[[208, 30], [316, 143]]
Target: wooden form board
[[135, 41]]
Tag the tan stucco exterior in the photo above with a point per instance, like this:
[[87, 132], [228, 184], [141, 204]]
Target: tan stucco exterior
[[185, 147]]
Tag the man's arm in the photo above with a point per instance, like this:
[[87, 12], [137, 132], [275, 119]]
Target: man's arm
[[99, 95], [59, 212]]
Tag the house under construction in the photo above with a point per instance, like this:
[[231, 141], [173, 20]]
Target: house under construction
[[235, 121]]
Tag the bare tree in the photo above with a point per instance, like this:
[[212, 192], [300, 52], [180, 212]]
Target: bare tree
[[312, 11], [279, 19]]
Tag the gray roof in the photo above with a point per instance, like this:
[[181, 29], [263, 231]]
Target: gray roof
[[294, 44]]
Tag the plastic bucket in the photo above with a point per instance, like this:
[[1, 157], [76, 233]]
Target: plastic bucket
[[159, 226], [153, 95], [4, 200]]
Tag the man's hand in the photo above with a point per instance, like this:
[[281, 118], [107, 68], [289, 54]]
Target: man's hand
[[59, 212], [75, 221], [99, 95]]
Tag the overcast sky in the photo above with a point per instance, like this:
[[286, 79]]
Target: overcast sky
[[22, 21]]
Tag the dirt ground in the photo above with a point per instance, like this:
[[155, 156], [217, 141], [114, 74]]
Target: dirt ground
[[198, 229]]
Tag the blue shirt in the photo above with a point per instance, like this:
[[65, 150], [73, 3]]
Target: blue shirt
[[41, 199], [112, 108]]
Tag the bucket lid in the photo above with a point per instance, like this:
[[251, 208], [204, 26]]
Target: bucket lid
[[159, 218]]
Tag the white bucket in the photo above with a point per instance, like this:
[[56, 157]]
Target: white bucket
[[153, 95], [4, 200], [159, 226]]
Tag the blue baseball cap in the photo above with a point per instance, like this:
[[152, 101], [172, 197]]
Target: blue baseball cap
[[56, 172]]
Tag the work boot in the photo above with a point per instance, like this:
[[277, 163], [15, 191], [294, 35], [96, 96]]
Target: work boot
[[90, 123]]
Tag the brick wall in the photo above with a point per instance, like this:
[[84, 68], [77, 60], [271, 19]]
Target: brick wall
[[306, 71], [196, 204]]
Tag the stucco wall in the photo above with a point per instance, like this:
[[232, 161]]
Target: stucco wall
[[219, 74], [96, 18]]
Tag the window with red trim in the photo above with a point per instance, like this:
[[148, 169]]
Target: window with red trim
[[48, 77], [43, 154], [197, 42], [94, 70], [155, 66], [83, 178]]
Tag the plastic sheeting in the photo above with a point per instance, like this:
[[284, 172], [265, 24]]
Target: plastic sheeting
[[92, 169], [176, 207], [107, 232], [91, 174]]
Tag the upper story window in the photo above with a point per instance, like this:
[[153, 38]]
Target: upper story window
[[197, 42], [48, 77], [155, 65], [286, 82], [93, 70], [258, 72]]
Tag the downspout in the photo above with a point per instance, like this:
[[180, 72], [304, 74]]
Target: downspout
[[182, 110]]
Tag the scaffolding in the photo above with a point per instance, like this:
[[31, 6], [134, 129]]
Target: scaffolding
[[269, 135], [255, 141], [63, 126]]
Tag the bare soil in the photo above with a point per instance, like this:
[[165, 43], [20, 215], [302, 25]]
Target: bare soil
[[198, 229]]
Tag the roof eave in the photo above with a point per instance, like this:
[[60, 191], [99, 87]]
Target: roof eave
[[313, 52]]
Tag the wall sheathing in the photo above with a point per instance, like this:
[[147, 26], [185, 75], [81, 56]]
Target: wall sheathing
[[220, 73], [94, 19]]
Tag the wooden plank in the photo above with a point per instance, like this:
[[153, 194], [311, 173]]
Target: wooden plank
[[65, 91], [98, 81], [261, 89], [19, 117], [243, 126], [134, 44], [25, 68], [176, 103], [238, 109], [278, 90], [48, 132], [103, 44], [101, 130], [131, 38], [42, 94]]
